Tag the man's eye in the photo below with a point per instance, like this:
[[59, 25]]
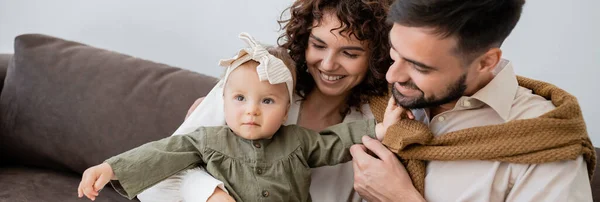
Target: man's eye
[[268, 101], [419, 68], [239, 98]]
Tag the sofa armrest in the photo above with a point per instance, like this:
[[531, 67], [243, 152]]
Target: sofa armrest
[[4, 60]]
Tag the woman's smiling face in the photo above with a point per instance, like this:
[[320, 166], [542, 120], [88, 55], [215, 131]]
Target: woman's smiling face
[[337, 61]]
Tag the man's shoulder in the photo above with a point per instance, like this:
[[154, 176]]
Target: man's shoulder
[[527, 104]]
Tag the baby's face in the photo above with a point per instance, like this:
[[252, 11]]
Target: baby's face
[[254, 109]]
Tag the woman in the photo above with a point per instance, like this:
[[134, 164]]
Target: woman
[[341, 53]]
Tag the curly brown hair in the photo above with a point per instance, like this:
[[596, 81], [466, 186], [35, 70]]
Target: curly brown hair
[[363, 19]]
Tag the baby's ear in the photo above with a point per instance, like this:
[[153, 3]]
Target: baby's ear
[[286, 113]]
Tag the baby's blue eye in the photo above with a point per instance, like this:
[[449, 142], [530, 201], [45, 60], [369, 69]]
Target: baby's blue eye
[[239, 98], [268, 101]]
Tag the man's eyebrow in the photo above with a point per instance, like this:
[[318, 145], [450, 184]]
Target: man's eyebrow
[[420, 64]]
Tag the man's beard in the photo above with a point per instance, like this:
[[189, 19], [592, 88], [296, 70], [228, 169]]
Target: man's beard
[[454, 92]]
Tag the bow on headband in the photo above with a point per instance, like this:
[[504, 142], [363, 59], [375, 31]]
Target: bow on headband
[[270, 68]]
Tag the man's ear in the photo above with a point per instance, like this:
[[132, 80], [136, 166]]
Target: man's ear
[[489, 60]]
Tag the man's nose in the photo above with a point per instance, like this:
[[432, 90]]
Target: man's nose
[[397, 73]]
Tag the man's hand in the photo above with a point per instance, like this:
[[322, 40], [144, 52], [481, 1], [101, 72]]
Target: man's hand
[[383, 179], [193, 107], [220, 196]]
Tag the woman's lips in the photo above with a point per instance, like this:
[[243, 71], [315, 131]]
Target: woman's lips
[[328, 78]]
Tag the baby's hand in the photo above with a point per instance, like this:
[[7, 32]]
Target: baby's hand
[[94, 179], [393, 114]]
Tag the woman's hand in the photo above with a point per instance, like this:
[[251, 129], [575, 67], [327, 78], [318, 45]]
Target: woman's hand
[[219, 195], [193, 107]]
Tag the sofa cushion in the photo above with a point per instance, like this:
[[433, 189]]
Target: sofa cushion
[[69, 106], [30, 184]]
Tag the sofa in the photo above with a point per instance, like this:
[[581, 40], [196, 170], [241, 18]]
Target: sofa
[[66, 106]]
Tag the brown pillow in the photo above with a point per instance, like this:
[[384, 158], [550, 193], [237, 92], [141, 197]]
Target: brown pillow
[[69, 106]]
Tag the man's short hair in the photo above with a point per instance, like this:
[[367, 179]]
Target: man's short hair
[[478, 25]]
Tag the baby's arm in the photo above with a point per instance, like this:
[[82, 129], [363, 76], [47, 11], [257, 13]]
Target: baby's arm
[[331, 146], [94, 179], [144, 166], [393, 114]]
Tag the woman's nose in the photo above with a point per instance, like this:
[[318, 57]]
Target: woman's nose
[[328, 63]]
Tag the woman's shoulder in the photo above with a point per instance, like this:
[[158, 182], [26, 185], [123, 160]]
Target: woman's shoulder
[[359, 113], [377, 105]]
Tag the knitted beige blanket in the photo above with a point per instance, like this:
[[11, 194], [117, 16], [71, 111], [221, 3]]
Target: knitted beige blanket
[[557, 135]]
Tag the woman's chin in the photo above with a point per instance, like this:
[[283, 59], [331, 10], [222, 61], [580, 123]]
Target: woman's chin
[[333, 91]]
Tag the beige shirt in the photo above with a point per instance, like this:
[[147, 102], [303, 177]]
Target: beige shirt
[[500, 101]]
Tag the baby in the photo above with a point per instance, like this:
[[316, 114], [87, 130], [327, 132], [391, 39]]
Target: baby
[[255, 156]]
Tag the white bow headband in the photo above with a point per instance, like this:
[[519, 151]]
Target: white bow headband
[[270, 68]]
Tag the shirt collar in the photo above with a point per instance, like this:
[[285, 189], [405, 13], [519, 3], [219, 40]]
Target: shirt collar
[[500, 92]]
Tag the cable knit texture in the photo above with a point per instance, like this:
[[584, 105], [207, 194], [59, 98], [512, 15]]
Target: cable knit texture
[[557, 135]]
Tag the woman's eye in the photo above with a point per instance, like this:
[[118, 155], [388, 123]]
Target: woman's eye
[[318, 46], [350, 55], [239, 98], [268, 101]]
